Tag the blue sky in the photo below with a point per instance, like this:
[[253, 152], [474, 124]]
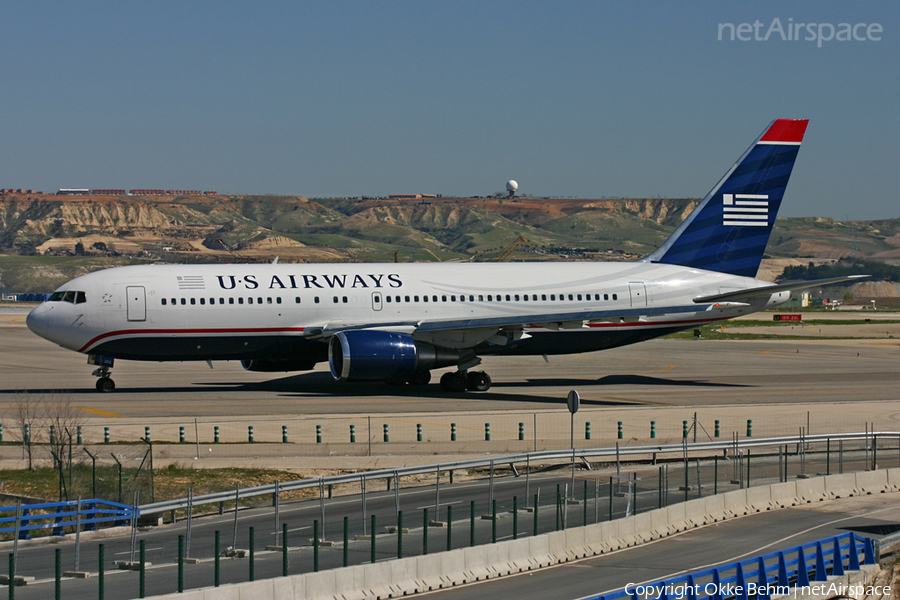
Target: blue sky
[[345, 98]]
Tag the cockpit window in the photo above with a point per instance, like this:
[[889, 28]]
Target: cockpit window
[[70, 296]]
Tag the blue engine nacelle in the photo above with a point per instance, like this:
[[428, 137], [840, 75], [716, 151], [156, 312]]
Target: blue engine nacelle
[[369, 355]]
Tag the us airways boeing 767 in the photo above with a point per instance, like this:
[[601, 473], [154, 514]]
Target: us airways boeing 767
[[398, 322]]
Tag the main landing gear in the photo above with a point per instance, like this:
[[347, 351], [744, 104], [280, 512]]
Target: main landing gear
[[105, 383], [460, 381]]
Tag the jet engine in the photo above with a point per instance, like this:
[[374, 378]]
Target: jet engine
[[273, 365], [370, 355]]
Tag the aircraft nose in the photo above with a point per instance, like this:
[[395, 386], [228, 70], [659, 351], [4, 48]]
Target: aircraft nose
[[38, 320]]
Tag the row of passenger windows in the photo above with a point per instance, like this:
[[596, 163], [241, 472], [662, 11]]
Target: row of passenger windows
[[499, 298], [389, 299]]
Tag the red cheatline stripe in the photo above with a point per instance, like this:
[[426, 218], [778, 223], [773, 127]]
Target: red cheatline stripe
[[189, 331], [786, 130]]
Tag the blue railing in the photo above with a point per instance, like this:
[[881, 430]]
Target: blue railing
[[761, 577], [58, 515]]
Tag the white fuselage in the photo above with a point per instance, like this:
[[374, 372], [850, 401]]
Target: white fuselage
[[246, 311]]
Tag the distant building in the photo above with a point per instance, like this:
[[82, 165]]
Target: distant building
[[411, 196]]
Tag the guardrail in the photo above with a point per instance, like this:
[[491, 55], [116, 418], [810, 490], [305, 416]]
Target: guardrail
[[57, 515], [764, 576], [617, 452]]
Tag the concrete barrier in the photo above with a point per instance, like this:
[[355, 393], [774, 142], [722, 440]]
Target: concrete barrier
[[396, 578]]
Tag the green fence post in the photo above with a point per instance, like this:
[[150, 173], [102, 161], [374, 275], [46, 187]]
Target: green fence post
[[57, 572], [78, 434], [106, 435], [346, 541], [180, 564], [181, 434], [418, 432], [652, 429], [387, 438], [252, 556], [452, 432], [52, 435], [101, 588], [749, 427], [249, 433], [1, 432], [449, 527], [216, 434], [487, 432], [521, 431], [217, 550], [684, 429], [142, 570], [587, 430], [284, 439], [619, 434], [372, 538], [717, 428], [515, 517], [353, 434], [318, 434], [147, 434]]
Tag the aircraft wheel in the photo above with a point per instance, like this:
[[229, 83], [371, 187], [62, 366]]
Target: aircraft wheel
[[105, 384], [420, 378], [478, 381], [454, 382]]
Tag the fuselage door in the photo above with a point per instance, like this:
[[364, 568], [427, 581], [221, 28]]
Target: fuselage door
[[376, 300], [136, 302], [638, 294]]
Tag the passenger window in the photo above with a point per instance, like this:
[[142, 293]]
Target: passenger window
[[268, 301], [387, 298], [183, 301], [397, 299], [259, 300], [471, 298], [434, 298], [335, 299], [462, 298], [525, 297], [579, 296], [517, 297], [163, 301], [570, 297], [406, 298], [344, 299], [250, 300], [424, 298], [615, 296], [553, 296], [278, 300], [443, 298], [416, 298], [452, 298], [316, 300], [606, 296], [193, 301], [221, 300], [231, 301], [544, 297], [490, 298], [297, 300], [202, 300], [241, 300], [480, 298], [507, 297]]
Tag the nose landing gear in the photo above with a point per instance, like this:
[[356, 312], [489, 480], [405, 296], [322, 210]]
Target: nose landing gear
[[104, 383]]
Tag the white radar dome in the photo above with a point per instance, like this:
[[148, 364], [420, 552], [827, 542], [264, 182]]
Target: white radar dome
[[511, 185]]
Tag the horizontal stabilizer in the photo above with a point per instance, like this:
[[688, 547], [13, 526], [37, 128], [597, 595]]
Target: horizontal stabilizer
[[768, 290]]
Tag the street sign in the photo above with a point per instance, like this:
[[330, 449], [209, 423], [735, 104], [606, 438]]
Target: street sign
[[574, 401]]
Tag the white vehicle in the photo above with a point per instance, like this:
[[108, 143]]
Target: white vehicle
[[398, 322]]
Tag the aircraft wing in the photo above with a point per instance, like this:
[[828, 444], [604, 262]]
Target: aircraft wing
[[551, 319], [768, 290]]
